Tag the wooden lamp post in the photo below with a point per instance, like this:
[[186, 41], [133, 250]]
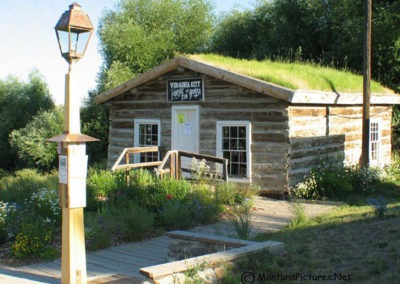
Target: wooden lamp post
[[73, 30]]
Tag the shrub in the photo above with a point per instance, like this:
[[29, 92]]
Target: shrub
[[30, 142], [98, 233], [135, 222], [45, 204], [100, 185], [20, 186], [362, 178], [234, 193], [33, 241], [226, 193], [391, 172], [125, 220], [204, 206], [101, 182], [142, 178], [175, 215], [40, 208], [156, 194], [199, 170], [326, 180]]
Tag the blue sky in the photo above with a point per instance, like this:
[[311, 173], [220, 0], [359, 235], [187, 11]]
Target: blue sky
[[28, 41]]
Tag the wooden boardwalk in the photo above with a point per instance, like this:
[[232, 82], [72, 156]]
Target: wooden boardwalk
[[121, 264]]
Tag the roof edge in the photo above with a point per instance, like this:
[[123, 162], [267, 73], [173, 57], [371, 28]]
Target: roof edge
[[341, 98], [251, 83], [136, 81], [313, 97]]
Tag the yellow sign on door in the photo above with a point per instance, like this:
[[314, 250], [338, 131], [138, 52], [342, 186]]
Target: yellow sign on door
[[181, 118]]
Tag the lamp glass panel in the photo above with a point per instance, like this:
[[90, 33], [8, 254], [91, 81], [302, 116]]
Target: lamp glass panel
[[64, 42], [82, 40], [74, 37]]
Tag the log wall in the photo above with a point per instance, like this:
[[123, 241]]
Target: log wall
[[222, 101], [332, 131]]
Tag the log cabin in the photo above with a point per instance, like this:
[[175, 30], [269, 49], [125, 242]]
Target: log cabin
[[272, 134]]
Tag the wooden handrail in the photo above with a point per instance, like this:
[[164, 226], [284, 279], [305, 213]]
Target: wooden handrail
[[135, 150], [173, 156]]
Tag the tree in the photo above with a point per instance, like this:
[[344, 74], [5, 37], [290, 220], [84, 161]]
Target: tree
[[19, 102], [141, 34], [30, 142], [329, 32], [95, 123]]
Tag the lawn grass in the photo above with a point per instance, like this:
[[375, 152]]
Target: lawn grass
[[296, 76], [350, 242]]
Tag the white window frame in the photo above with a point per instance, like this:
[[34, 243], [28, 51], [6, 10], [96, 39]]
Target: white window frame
[[378, 143], [238, 123], [137, 123]]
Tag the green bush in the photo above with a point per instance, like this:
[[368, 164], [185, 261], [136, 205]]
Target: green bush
[[100, 185], [363, 179], [98, 232], [45, 204], [329, 180], [204, 206], [226, 193], [175, 215], [135, 222], [326, 180], [125, 220], [20, 186], [159, 191], [391, 173], [30, 142], [34, 241]]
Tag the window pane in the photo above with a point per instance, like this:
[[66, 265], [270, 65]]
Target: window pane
[[243, 157], [234, 169], [242, 132], [235, 157], [225, 144], [226, 155], [234, 132], [242, 144], [148, 136], [234, 146]]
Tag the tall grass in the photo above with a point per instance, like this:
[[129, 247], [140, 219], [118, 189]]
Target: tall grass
[[296, 76]]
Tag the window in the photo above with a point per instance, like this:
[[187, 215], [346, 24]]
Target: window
[[233, 143], [147, 133], [374, 141]]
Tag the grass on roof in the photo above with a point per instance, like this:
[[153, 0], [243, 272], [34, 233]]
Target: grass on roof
[[296, 76]]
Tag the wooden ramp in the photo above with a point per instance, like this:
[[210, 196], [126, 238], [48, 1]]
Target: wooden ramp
[[113, 265]]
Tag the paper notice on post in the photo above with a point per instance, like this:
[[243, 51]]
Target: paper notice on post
[[63, 169]]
